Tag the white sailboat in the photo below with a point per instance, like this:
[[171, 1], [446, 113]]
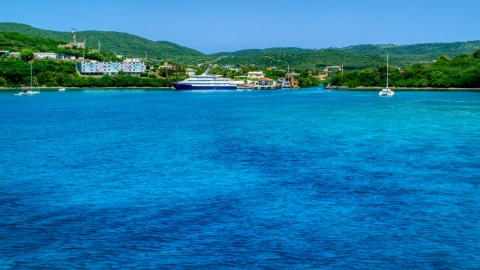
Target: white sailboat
[[29, 91], [386, 92], [63, 89]]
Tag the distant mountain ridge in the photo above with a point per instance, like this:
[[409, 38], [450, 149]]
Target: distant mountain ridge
[[452, 49], [258, 52]]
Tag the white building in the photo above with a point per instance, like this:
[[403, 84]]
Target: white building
[[101, 68], [134, 60], [255, 75], [191, 72], [44, 55]]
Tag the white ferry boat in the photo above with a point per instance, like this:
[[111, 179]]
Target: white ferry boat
[[205, 82]]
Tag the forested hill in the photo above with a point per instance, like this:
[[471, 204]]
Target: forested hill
[[258, 52], [120, 43], [312, 60], [15, 42], [451, 49]]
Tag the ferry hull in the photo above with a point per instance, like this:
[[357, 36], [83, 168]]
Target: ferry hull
[[180, 86]]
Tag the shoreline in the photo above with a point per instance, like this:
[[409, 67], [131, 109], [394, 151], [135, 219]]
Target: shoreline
[[413, 88], [80, 88], [360, 88]]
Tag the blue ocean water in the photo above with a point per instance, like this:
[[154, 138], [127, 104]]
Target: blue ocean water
[[240, 179]]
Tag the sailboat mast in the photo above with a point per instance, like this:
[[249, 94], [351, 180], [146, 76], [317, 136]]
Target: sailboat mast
[[31, 75], [387, 71]]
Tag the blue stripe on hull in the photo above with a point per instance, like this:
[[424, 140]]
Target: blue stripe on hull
[[203, 87]]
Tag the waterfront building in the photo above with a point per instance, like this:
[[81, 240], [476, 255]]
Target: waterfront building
[[102, 68], [265, 82]]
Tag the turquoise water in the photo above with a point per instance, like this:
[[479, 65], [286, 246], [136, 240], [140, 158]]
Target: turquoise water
[[247, 179]]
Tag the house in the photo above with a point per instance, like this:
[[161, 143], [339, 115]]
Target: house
[[167, 66], [6, 53], [292, 79], [191, 72], [15, 54], [265, 82], [255, 75], [44, 55], [134, 60]]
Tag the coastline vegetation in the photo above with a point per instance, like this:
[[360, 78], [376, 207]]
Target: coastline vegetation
[[52, 73], [463, 71]]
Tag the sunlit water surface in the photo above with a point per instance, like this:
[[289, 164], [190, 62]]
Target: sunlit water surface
[[249, 179]]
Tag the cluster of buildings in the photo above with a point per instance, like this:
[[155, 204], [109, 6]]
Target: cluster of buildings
[[40, 55], [132, 66], [257, 80]]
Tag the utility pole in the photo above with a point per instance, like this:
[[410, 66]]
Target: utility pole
[[74, 31], [84, 48]]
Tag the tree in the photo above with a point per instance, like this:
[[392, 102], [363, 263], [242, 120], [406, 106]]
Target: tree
[[26, 55], [443, 58], [476, 54]]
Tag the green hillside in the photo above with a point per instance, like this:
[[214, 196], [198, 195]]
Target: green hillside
[[452, 49], [312, 60], [15, 42], [352, 57], [120, 43]]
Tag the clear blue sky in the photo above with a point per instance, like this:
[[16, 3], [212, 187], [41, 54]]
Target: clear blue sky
[[212, 26]]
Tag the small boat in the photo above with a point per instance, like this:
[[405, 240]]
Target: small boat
[[63, 89], [29, 91], [386, 92]]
